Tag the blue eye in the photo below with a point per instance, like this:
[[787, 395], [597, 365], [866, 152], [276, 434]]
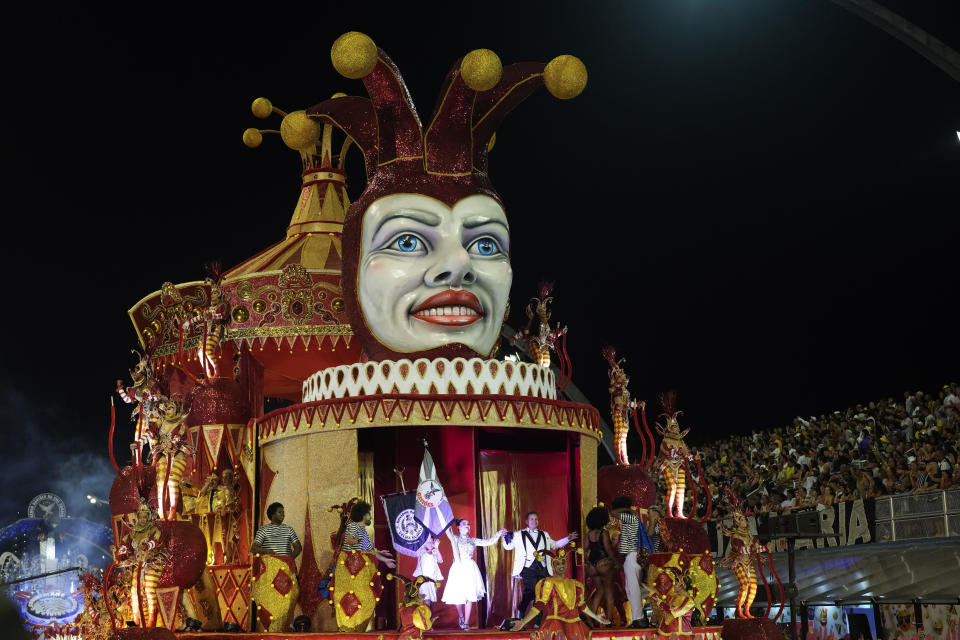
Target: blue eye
[[485, 247], [407, 243]]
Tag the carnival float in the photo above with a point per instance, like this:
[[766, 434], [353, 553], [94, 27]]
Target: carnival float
[[377, 329]]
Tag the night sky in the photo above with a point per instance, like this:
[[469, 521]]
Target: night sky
[[754, 201]]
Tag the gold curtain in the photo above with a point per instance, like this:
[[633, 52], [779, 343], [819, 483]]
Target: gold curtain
[[365, 483], [500, 507]]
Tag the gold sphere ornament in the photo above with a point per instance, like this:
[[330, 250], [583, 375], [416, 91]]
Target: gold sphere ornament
[[259, 306], [298, 131], [241, 314], [354, 55], [262, 108], [481, 69], [565, 77], [337, 305], [252, 138]]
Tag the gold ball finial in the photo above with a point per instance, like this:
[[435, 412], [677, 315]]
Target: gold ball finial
[[298, 131], [354, 55], [252, 138], [565, 77], [262, 108], [481, 69]]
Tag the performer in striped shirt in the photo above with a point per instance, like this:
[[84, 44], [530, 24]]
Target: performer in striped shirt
[[634, 541], [275, 537]]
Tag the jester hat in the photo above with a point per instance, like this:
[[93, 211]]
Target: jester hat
[[446, 160]]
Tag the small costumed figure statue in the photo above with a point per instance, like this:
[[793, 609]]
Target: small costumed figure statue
[[675, 607], [620, 403], [673, 456], [95, 621], [147, 555], [214, 320], [169, 448], [740, 554], [540, 344], [415, 617], [144, 393], [560, 600]]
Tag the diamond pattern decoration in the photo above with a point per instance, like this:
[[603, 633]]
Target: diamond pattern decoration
[[350, 604], [355, 562], [228, 588], [282, 583]]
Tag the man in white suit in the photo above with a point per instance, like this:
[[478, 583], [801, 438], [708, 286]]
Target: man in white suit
[[526, 567]]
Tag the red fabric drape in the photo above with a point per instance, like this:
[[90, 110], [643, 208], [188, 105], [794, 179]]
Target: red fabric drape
[[532, 482]]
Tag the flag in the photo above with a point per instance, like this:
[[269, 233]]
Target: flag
[[432, 509], [407, 533]]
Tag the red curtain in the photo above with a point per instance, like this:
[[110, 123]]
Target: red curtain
[[511, 484]]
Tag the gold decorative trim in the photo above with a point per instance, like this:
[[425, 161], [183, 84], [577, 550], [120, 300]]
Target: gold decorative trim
[[423, 411], [276, 272], [260, 332], [171, 348], [283, 332]]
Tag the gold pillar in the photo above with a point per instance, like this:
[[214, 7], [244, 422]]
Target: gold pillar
[[588, 474]]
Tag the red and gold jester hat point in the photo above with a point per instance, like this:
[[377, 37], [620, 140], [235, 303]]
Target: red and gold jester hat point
[[447, 159]]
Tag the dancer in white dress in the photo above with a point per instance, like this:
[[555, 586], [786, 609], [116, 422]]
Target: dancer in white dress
[[428, 566], [464, 582]]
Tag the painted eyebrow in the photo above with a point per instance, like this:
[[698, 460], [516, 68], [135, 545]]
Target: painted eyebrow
[[479, 221], [425, 217]]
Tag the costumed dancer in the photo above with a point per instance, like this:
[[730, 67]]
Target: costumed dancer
[[634, 547], [274, 547], [560, 602], [169, 448], [147, 555], [528, 569], [601, 565], [740, 554], [464, 582], [356, 614], [428, 566], [276, 538], [214, 319], [414, 614], [672, 455], [674, 608]]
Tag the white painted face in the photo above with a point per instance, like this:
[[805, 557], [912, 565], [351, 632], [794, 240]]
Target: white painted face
[[430, 275]]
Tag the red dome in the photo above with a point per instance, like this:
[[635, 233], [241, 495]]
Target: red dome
[[217, 401], [626, 480], [684, 534], [186, 543]]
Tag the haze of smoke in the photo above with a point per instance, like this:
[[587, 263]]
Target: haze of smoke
[[47, 447]]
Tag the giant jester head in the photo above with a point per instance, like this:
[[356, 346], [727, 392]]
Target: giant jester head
[[427, 245]]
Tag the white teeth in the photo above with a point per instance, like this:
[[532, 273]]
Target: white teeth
[[456, 310]]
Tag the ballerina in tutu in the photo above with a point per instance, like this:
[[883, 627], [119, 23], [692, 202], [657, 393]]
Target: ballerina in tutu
[[464, 582], [428, 566]]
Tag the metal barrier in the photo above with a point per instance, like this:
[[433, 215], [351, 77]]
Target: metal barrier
[[934, 514]]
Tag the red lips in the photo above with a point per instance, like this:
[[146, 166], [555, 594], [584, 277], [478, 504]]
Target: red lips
[[451, 308]]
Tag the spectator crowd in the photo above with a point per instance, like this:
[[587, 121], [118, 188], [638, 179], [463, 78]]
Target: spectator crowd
[[882, 448]]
